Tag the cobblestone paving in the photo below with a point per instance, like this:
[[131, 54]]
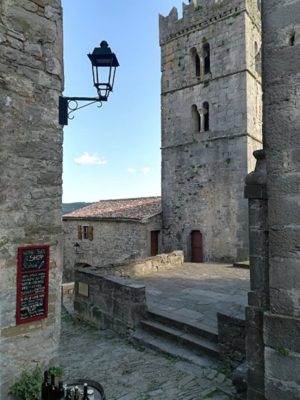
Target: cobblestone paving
[[198, 291], [128, 372]]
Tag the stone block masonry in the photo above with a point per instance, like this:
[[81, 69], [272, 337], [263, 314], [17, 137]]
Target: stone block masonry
[[281, 83], [272, 318], [211, 124], [109, 302], [113, 242], [231, 339], [31, 80], [162, 262], [258, 297], [108, 298]]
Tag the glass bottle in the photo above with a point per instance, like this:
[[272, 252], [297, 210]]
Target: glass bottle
[[52, 392], [85, 392], [45, 389], [60, 391], [69, 395], [76, 397]]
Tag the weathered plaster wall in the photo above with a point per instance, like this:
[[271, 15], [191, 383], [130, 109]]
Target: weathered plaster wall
[[113, 242], [281, 82], [203, 172], [31, 70]]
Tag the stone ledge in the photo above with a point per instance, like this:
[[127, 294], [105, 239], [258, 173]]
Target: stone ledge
[[145, 266]]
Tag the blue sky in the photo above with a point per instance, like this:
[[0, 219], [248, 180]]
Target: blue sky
[[114, 151]]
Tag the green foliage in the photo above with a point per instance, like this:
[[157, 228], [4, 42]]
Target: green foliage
[[283, 351], [28, 387], [56, 371], [67, 318]]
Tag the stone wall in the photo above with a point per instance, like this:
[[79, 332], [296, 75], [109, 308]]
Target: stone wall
[[203, 171], [109, 302], [113, 242], [281, 82], [146, 266], [231, 339], [258, 297], [31, 79]]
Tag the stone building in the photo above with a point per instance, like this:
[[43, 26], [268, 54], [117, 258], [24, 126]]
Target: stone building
[[273, 190], [211, 124], [111, 232], [31, 80]]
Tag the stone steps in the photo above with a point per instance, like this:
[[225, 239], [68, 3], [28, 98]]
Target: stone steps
[[183, 324], [178, 338], [167, 347]]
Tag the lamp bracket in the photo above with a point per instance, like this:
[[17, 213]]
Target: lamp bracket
[[68, 105]]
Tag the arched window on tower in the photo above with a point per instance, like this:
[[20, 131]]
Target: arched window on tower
[[206, 115], [292, 38], [206, 56], [196, 61], [196, 119]]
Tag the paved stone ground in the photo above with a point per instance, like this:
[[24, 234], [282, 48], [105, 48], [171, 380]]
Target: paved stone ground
[[198, 291], [128, 372]]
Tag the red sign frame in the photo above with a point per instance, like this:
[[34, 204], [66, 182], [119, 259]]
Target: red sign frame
[[21, 273]]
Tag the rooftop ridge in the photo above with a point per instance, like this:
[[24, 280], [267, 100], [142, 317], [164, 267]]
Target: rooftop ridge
[[133, 208], [130, 198], [198, 14]]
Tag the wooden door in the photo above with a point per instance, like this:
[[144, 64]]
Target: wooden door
[[197, 246], [154, 243]]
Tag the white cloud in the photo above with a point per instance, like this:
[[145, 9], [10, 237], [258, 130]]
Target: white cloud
[[88, 159], [145, 170], [131, 170]]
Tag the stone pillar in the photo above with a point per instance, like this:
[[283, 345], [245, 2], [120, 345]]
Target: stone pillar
[[258, 297], [281, 86], [31, 80]]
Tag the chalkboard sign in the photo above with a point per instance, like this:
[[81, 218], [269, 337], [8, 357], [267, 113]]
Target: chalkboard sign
[[32, 283], [34, 258]]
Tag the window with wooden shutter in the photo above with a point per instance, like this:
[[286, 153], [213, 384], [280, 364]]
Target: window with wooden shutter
[[85, 232], [90, 233], [79, 231]]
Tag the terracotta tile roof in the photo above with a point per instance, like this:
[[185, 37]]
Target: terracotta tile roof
[[128, 209]]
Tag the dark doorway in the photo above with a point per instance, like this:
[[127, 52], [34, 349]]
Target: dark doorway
[[197, 246], [154, 243]]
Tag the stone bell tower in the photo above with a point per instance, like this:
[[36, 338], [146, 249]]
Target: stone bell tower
[[211, 124]]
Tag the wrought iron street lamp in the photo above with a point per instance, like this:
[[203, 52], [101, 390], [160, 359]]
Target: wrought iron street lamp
[[104, 64]]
